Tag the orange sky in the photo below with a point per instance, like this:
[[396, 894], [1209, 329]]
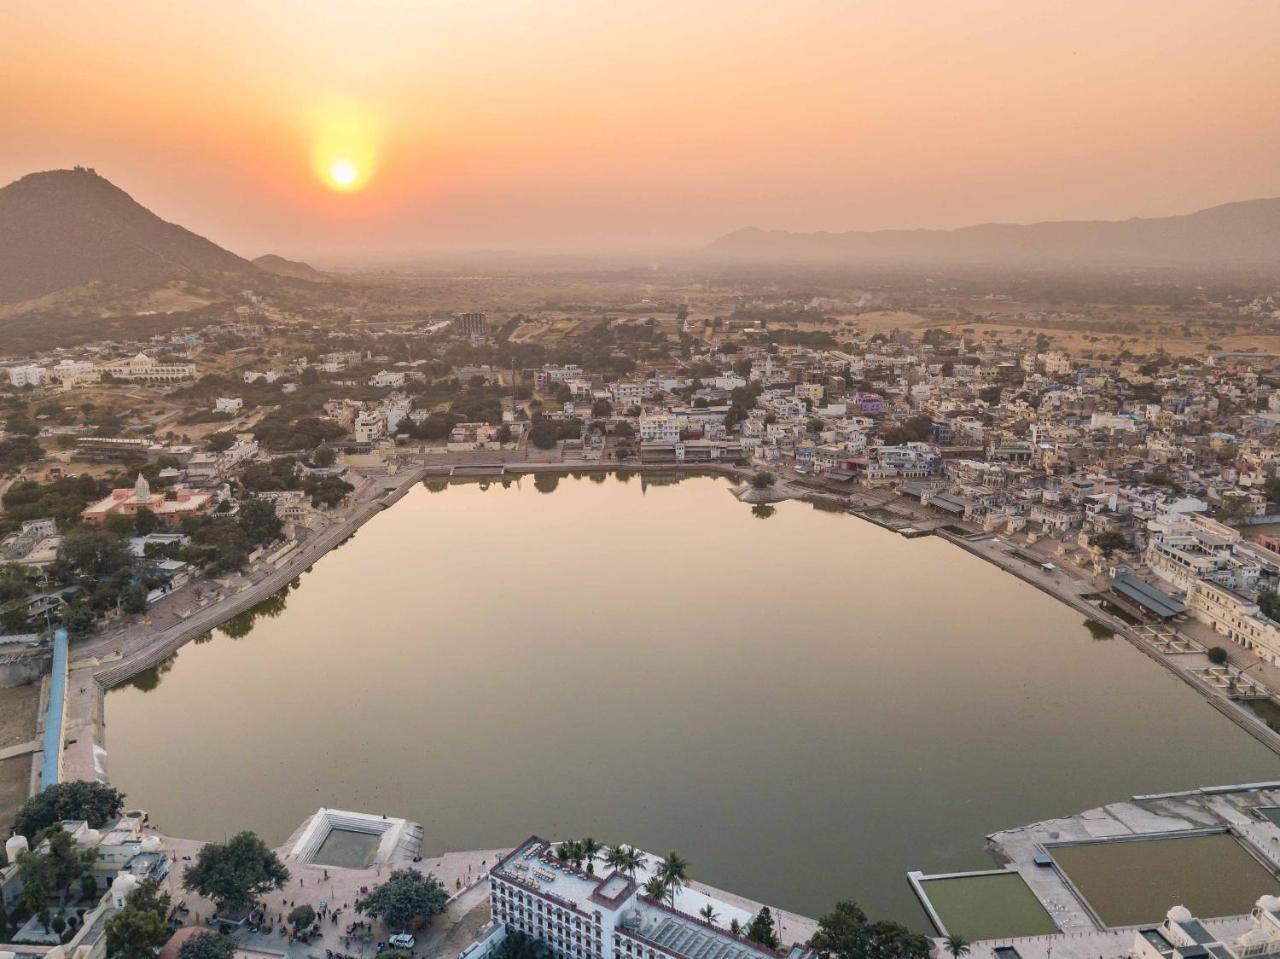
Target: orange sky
[[622, 124]]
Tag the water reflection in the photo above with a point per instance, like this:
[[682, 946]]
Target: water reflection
[[805, 708]]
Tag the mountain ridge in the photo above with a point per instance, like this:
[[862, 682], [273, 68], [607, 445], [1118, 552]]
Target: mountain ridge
[[1240, 231], [61, 229]]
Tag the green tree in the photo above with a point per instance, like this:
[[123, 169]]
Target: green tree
[[134, 933], [94, 552], [846, 933], [655, 888], [145, 522], [93, 802], [1217, 655], [674, 873], [407, 895], [1109, 540], [235, 873], [259, 521], [324, 456], [761, 929], [302, 917], [762, 480], [1269, 603], [624, 859], [56, 863], [956, 946], [208, 945], [35, 899], [708, 913]]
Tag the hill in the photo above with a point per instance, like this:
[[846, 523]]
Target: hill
[[65, 228], [295, 269], [1247, 232]]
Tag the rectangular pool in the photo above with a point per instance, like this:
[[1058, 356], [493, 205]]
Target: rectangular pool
[[987, 906], [347, 849], [1132, 881]]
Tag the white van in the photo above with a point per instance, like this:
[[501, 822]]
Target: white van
[[402, 940]]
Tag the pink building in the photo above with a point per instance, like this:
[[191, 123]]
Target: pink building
[[127, 502]]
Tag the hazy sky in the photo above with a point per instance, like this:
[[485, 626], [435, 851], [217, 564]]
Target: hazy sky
[[640, 124]]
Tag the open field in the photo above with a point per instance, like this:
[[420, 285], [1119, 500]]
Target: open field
[[18, 708]]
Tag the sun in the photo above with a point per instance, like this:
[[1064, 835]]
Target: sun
[[344, 175], [345, 142]]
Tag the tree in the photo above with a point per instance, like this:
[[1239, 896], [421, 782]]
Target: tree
[[302, 917], [134, 933], [407, 895], [88, 887], [590, 849], [259, 521], [93, 802], [845, 933], [145, 522], [762, 480], [956, 946], [708, 912], [624, 859], [324, 456], [57, 862], [601, 408], [234, 874], [35, 899], [1269, 603], [207, 945], [543, 434], [1109, 540], [94, 552], [219, 442], [674, 873], [517, 945], [1217, 655], [655, 888], [761, 929]]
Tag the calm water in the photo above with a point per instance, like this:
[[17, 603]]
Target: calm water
[[804, 705]]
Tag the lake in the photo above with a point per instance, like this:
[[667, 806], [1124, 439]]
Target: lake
[[803, 704]]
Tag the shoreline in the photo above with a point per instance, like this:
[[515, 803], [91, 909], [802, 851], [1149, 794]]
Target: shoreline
[[107, 672]]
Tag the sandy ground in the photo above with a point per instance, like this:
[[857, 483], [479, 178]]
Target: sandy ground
[[18, 708]]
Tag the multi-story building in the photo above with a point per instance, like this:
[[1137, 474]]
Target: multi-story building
[[1236, 617], [581, 915], [27, 375], [659, 428], [472, 324], [143, 369]]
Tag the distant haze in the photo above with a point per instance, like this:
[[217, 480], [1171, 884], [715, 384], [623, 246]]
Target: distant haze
[[579, 125]]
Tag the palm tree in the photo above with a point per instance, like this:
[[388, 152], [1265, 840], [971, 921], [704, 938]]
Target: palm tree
[[618, 858], [570, 851], [674, 873], [957, 946], [708, 912], [655, 888], [635, 859], [590, 849]]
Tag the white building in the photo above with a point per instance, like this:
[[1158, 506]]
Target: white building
[[228, 404], [143, 369], [29, 375], [385, 379], [659, 428], [370, 425], [606, 915], [1236, 617]]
